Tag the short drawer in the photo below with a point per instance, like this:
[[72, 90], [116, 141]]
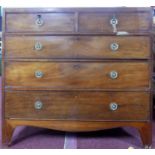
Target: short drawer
[[74, 105], [83, 47], [77, 75], [40, 22], [129, 22]]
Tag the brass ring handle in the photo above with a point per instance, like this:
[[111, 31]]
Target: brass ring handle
[[114, 23], [38, 105], [113, 74], [113, 106], [114, 46], [38, 46], [39, 74], [39, 21]]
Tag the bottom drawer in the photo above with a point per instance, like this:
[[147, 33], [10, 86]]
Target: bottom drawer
[[77, 105]]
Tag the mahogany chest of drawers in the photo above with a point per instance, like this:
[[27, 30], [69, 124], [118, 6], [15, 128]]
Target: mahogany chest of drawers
[[77, 69]]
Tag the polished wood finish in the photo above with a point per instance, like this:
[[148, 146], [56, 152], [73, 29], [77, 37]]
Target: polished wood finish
[[77, 20], [78, 105], [146, 134], [84, 47], [77, 75], [78, 126], [98, 22], [76, 60], [53, 22], [8, 130]]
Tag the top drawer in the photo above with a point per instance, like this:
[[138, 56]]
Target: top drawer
[[78, 21], [110, 22], [40, 22]]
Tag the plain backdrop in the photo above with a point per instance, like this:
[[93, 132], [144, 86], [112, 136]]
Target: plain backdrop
[[76, 3]]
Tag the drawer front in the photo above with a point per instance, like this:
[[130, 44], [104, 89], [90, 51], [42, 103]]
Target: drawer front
[[98, 47], [78, 105], [101, 22], [77, 75], [83, 22], [40, 22]]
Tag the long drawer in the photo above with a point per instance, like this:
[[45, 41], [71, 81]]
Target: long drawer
[[84, 22], [99, 47], [77, 105], [77, 75]]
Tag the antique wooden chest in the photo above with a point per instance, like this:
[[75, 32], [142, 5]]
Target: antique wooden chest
[[77, 69]]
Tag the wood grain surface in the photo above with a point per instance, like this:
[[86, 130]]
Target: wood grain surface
[[77, 47], [77, 75], [53, 22], [63, 22], [77, 105]]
